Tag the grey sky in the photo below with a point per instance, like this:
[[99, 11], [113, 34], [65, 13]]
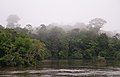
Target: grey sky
[[37, 12]]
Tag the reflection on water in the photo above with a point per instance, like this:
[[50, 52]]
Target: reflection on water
[[65, 68]]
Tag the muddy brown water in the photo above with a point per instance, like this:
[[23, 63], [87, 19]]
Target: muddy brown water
[[65, 68]]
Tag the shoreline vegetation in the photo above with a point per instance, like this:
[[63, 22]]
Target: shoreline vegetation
[[26, 47]]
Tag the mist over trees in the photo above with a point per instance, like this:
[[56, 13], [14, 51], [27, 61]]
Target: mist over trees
[[29, 45], [12, 20]]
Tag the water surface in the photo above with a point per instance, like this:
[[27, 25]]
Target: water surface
[[65, 68]]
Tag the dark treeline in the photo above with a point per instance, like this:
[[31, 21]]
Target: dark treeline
[[85, 44], [27, 46]]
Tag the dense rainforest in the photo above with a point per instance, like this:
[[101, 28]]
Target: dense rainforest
[[19, 49], [28, 46]]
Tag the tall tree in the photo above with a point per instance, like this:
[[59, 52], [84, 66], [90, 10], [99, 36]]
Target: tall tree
[[96, 24], [12, 19]]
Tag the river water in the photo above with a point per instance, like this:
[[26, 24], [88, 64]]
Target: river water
[[65, 68]]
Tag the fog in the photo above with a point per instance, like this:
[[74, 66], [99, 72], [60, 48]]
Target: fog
[[65, 12]]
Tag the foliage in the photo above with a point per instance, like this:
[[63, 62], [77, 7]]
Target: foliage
[[79, 44], [19, 49]]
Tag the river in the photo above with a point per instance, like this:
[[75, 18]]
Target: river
[[65, 68]]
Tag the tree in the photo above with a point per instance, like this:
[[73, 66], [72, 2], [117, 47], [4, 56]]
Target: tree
[[18, 49], [1, 27], [96, 24], [29, 28], [75, 32], [43, 28], [42, 32], [12, 19], [55, 42]]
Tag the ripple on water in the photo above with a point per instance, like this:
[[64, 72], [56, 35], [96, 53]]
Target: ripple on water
[[63, 72]]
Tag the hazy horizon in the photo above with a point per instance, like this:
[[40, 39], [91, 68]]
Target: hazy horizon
[[36, 12]]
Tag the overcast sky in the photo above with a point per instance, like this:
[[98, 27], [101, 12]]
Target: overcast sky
[[36, 12]]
